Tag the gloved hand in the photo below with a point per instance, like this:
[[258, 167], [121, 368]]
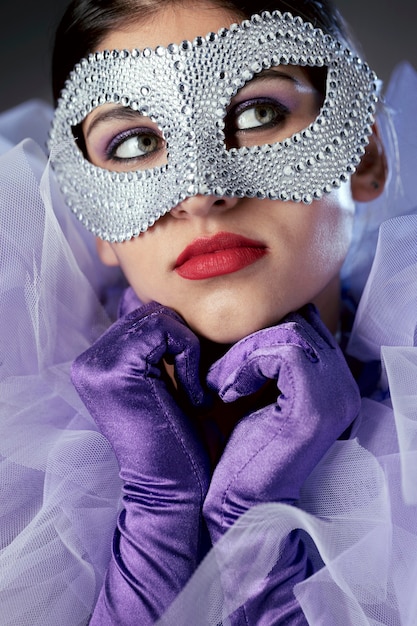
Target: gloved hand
[[272, 451], [160, 535]]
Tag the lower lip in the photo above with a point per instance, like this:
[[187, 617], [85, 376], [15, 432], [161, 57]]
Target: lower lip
[[220, 262]]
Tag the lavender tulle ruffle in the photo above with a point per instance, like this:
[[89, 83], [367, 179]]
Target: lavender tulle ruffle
[[59, 480]]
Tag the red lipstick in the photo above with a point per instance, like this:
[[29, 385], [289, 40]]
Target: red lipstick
[[224, 253]]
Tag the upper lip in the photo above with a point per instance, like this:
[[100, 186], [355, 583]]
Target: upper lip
[[219, 241]]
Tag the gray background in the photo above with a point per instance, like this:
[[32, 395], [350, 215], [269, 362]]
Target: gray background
[[385, 28]]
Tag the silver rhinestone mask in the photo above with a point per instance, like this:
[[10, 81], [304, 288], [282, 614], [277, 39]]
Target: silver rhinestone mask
[[186, 91]]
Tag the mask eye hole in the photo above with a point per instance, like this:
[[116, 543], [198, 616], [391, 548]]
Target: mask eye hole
[[271, 107], [121, 139]]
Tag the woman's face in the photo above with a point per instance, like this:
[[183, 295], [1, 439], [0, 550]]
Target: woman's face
[[229, 266]]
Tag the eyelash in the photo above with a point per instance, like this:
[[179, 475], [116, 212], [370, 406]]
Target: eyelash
[[281, 112], [131, 133]]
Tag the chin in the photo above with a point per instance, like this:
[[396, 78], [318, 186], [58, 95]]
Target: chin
[[219, 330]]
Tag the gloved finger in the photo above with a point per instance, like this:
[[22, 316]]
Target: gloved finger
[[168, 337], [183, 346], [258, 358], [136, 345], [118, 345], [315, 327]]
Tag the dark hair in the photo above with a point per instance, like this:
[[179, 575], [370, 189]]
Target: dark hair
[[86, 22]]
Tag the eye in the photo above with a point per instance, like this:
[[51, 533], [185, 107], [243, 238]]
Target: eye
[[134, 144], [252, 115], [255, 116]]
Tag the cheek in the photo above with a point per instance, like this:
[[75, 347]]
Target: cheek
[[140, 267], [331, 232], [330, 245], [145, 282]]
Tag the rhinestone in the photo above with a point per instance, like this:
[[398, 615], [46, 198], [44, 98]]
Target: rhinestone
[[191, 116]]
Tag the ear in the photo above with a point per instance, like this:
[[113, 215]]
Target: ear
[[369, 180], [106, 253]]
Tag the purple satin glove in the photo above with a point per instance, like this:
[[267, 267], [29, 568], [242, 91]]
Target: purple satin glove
[[272, 451], [160, 536]]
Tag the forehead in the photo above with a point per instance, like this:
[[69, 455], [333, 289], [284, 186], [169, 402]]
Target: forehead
[[171, 24]]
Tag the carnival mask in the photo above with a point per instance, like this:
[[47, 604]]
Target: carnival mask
[[185, 90]]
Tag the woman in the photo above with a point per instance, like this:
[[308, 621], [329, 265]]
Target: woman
[[227, 281]]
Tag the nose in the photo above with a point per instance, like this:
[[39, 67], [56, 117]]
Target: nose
[[203, 206]]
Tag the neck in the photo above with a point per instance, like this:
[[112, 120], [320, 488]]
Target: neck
[[328, 304]]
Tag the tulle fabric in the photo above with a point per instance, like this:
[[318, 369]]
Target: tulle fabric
[[58, 477], [59, 480], [397, 127]]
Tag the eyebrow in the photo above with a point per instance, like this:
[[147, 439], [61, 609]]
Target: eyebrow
[[123, 113], [117, 112], [267, 75], [272, 73]]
